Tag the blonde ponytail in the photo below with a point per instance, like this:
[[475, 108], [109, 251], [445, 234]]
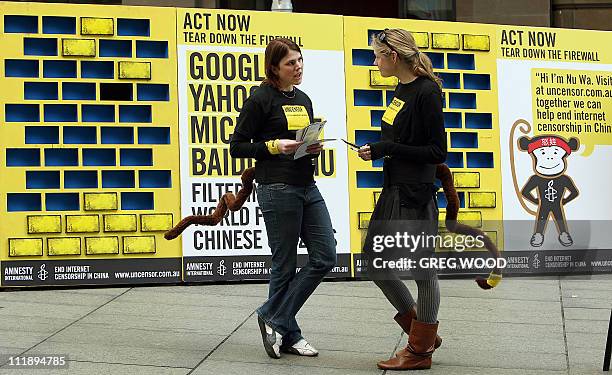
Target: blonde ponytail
[[424, 67]]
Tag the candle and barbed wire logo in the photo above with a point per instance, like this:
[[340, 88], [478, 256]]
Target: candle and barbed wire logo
[[221, 269], [42, 273]]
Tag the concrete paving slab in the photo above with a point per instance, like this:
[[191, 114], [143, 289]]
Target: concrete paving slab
[[13, 350], [203, 325], [577, 313], [508, 344], [348, 361], [42, 308], [508, 289], [52, 297], [492, 357], [160, 339], [79, 368], [22, 339], [165, 310], [349, 313], [357, 302], [507, 293], [241, 368], [588, 303], [587, 326], [516, 329], [593, 341], [33, 324], [531, 312], [586, 359], [593, 293], [121, 354], [520, 331], [162, 297], [457, 370], [228, 289]]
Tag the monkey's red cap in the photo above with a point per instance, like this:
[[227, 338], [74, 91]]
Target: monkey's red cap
[[549, 141]]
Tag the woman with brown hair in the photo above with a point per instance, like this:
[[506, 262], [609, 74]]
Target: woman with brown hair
[[413, 142], [290, 201]]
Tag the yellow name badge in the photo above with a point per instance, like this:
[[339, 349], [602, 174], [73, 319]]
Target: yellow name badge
[[392, 110], [297, 116]]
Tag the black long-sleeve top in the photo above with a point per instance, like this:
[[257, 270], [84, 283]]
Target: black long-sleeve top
[[413, 140], [271, 114]]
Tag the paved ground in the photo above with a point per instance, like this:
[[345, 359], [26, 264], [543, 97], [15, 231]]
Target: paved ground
[[525, 326]]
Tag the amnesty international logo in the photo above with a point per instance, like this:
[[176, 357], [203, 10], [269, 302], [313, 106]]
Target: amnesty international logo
[[221, 269], [551, 192], [42, 273]]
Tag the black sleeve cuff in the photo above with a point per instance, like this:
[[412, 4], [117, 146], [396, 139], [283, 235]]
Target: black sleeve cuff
[[377, 149], [261, 151]]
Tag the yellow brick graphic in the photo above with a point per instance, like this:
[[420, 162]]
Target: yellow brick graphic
[[78, 47], [376, 196], [445, 41], [376, 80], [364, 219], [139, 245], [82, 224], [97, 26], [471, 218], [155, 222], [482, 199], [492, 236], [64, 246], [101, 245], [466, 179], [476, 42], [44, 224], [120, 223], [421, 39], [22, 247], [134, 70], [441, 219], [100, 201]]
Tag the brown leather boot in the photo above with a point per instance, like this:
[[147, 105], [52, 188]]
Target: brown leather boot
[[405, 320], [419, 350]]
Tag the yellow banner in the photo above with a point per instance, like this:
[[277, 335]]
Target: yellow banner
[[530, 43], [573, 103], [255, 29]]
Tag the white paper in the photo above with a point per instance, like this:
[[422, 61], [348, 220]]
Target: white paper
[[309, 135]]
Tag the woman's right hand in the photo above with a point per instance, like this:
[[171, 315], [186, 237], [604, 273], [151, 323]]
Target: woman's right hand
[[365, 153], [288, 146]]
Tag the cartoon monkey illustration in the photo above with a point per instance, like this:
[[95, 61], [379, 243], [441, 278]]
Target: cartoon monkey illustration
[[549, 160]]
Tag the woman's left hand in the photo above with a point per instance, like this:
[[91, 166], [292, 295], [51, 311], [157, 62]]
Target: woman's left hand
[[365, 153], [314, 148]]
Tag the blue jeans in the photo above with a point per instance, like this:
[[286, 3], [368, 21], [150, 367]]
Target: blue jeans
[[291, 212]]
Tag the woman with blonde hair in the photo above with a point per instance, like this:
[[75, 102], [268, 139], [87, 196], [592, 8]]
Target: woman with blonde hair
[[413, 142]]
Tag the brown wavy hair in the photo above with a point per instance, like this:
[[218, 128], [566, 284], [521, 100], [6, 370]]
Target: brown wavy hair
[[276, 50]]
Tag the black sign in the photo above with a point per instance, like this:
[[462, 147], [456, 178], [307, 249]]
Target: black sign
[[247, 267], [90, 272]]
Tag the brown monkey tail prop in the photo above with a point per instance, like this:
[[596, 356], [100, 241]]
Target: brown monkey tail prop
[[525, 129], [233, 203], [452, 209], [227, 201]]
